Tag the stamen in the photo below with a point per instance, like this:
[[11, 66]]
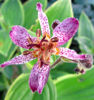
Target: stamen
[[29, 40], [33, 45], [43, 38], [38, 33], [55, 23], [54, 39], [26, 52]]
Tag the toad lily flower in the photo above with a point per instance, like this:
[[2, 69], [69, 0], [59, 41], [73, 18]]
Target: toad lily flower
[[45, 47]]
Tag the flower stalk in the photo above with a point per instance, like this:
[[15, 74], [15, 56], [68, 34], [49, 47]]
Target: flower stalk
[[56, 62]]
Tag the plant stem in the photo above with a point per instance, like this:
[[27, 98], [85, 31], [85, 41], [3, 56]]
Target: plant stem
[[56, 62]]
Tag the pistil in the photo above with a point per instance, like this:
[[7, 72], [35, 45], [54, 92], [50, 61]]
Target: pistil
[[42, 48]]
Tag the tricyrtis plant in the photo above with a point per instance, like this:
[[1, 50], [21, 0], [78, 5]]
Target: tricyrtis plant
[[42, 49]]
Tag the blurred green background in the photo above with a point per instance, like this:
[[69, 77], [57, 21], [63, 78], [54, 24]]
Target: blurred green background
[[63, 83]]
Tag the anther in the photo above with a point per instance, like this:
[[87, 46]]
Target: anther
[[33, 45], [26, 52], [54, 39], [38, 33], [55, 23]]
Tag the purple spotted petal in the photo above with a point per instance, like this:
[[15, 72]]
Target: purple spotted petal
[[66, 30], [39, 77], [18, 60], [43, 19], [19, 36], [70, 54]]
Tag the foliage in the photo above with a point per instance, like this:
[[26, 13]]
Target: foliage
[[71, 87], [86, 34]]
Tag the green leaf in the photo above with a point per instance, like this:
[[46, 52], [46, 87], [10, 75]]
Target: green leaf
[[75, 87], [7, 48], [8, 71], [13, 12], [2, 58], [2, 22], [85, 27], [86, 34], [52, 90], [5, 42], [31, 13], [21, 86], [86, 44], [63, 69], [2, 85], [66, 67], [11, 51]]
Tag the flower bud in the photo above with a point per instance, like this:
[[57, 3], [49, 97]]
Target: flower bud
[[77, 70], [87, 62]]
